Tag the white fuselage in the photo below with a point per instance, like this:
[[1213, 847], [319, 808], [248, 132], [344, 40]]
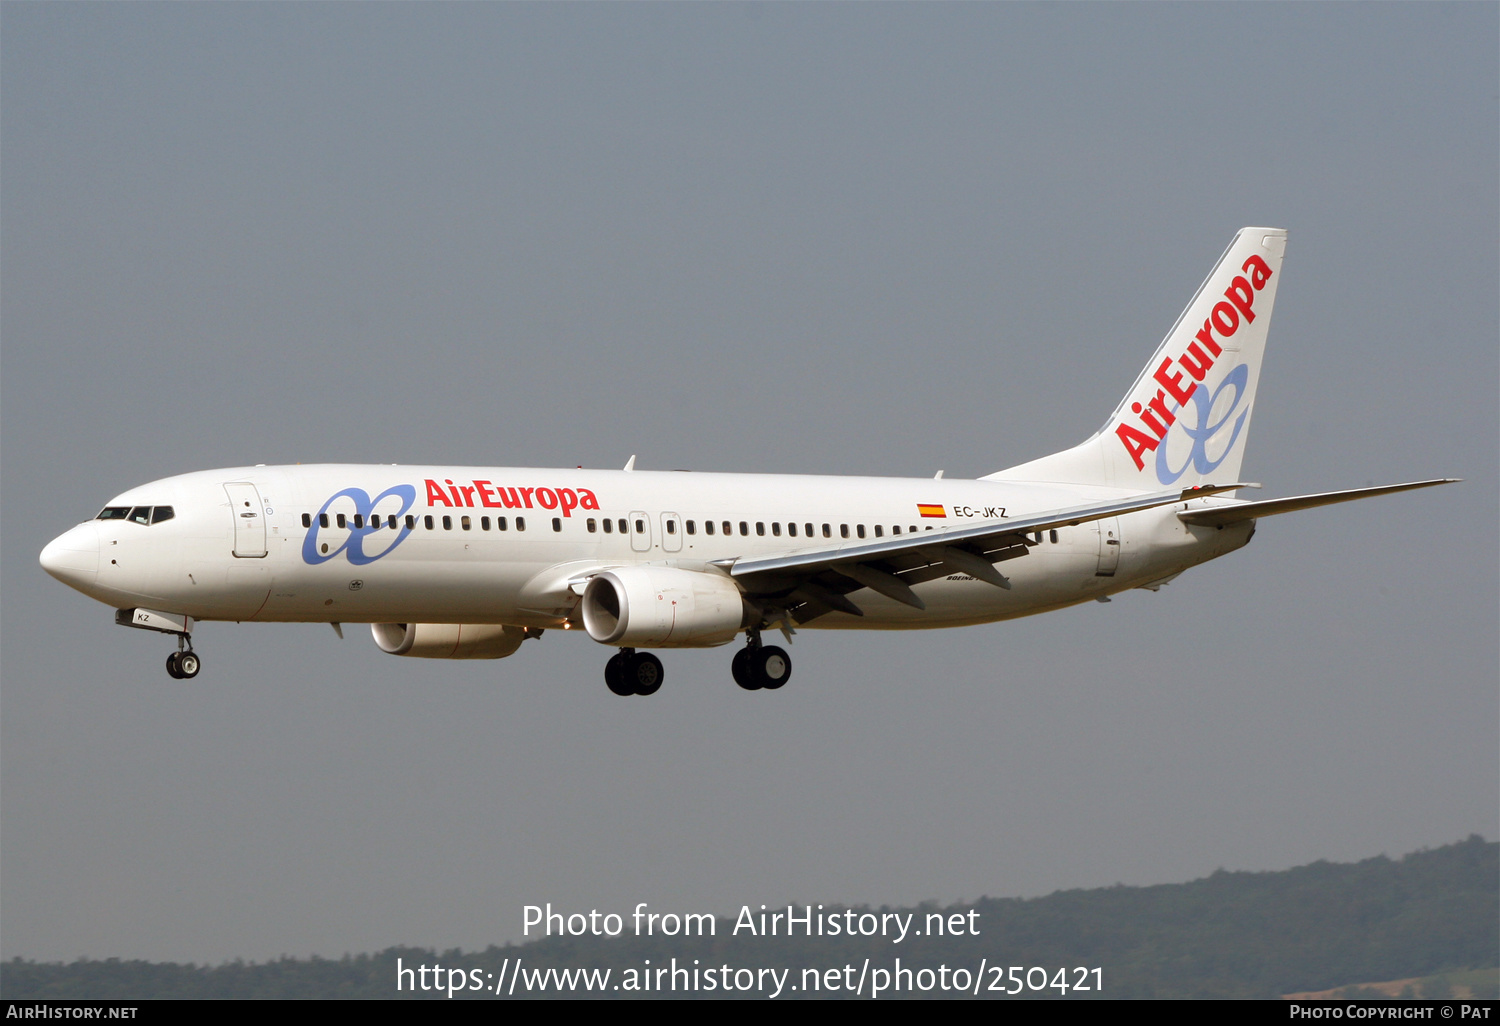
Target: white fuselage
[[465, 569]]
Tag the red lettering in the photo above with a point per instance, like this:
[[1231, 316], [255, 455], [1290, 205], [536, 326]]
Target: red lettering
[[1225, 319], [468, 491], [1159, 405], [484, 494], [1259, 272], [435, 494], [547, 497], [526, 494], [586, 499], [1242, 296], [1136, 442], [509, 497], [1149, 419], [1206, 336], [568, 499], [1196, 363], [1173, 382]]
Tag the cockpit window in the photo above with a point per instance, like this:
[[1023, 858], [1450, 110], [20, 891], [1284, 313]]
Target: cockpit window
[[138, 514]]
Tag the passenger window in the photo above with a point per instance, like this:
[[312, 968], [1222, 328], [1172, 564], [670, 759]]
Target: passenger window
[[594, 525], [499, 523], [557, 523], [791, 530], [484, 523], [728, 529], [609, 526], [744, 529], [114, 513], [860, 530], [520, 523], [776, 528], [447, 523], [465, 523], [411, 522], [879, 531], [1054, 537], [895, 529], [342, 521], [307, 520], [427, 520], [640, 527], [708, 527], [391, 523], [809, 529], [827, 531], [760, 528], [843, 530], [692, 528], [322, 519], [624, 528], [671, 527], [359, 521]]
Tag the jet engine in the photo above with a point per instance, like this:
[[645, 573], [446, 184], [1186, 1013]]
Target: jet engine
[[662, 607], [449, 640]]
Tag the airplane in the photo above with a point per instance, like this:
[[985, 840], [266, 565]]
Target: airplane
[[469, 563]]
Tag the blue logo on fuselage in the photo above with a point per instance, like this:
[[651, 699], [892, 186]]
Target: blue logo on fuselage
[[364, 508]]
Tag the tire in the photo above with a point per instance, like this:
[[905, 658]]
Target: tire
[[743, 675], [645, 673], [172, 670], [188, 665], [614, 676], [773, 667]]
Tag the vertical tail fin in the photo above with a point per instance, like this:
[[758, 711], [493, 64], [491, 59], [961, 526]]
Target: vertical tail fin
[[1185, 419]]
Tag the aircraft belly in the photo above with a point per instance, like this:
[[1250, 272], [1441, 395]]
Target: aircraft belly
[[413, 591]]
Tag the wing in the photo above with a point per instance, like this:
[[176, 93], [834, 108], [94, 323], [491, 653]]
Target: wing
[[811, 584], [1221, 516]]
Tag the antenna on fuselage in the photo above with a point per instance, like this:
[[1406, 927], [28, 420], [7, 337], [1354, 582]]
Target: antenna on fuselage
[[630, 463]]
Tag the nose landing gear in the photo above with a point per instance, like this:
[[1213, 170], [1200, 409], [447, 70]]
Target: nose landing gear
[[184, 663], [633, 673]]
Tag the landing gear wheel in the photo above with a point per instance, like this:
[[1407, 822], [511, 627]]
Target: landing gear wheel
[[771, 666], [614, 675], [743, 676], [187, 665], [644, 671], [172, 670]]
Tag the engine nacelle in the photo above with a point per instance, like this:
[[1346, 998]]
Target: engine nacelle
[[662, 607], [448, 640]]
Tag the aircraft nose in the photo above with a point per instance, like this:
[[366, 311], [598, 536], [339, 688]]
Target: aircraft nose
[[73, 557]]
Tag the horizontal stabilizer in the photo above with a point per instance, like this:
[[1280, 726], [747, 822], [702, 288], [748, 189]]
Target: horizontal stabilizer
[[1221, 516]]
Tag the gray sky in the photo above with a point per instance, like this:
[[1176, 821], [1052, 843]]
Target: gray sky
[[878, 239]]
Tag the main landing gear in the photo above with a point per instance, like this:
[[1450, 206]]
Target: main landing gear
[[633, 673], [184, 663], [757, 667]]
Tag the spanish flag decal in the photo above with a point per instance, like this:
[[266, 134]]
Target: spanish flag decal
[[928, 509]]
